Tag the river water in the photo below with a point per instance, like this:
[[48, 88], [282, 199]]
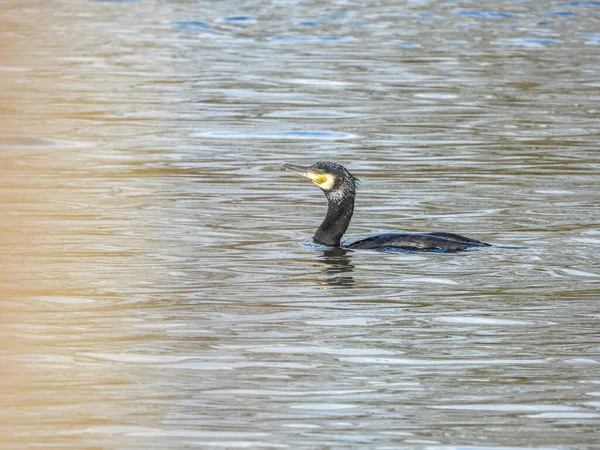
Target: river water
[[157, 289]]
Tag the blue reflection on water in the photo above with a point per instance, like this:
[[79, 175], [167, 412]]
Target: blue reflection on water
[[309, 23], [238, 19], [406, 44], [488, 15], [194, 25], [540, 41], [559, 13], [581, 4], [308, 38]]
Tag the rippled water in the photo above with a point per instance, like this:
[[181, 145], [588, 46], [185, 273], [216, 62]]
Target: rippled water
[[157, 287]]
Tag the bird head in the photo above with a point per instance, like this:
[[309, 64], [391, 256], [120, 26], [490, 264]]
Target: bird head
[[334, 179]]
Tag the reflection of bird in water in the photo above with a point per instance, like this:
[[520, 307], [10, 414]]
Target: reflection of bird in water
[[339, 186], [337, 266]]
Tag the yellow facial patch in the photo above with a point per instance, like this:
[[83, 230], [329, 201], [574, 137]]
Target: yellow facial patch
[[320, 179], [326, 181]]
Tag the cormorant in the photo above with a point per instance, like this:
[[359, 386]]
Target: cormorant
[[339, 186]]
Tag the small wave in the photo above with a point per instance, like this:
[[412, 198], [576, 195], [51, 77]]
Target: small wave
[[581, 4], [309, 38], [28, 141], [238, 19], [303, 135], [406, 44], [528, 42], [309, 23], [194, 25], [489, 14]]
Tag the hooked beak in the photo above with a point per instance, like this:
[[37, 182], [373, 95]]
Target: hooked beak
[[300, 170]]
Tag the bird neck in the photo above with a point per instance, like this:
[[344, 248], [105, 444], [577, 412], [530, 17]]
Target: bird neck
[[339, 213]]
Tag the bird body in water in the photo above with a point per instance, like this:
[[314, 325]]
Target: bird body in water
[[340, 186]]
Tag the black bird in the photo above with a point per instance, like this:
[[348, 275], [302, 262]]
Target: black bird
[[339, 186]]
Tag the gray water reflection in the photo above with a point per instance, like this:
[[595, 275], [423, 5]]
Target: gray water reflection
[[157, 290], [337, 266]]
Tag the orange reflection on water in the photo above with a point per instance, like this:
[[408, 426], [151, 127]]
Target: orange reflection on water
[[68, 251]]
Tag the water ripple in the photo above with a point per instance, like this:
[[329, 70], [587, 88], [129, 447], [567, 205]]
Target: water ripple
[[159, 284], [287, 135]]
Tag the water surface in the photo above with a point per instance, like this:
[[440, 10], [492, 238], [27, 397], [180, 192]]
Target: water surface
[[157, 290]]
